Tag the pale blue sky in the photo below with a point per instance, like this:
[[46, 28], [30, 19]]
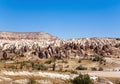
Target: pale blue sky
[[63, 18]]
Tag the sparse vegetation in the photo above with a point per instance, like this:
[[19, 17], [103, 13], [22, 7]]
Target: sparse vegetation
[[12, 67], [100, 59], [40, 67], [97, 58], [81, 68]]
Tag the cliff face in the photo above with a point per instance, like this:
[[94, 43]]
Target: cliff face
[[45, 45]]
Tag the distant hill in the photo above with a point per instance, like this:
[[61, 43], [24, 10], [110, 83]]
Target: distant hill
[[27, 36]]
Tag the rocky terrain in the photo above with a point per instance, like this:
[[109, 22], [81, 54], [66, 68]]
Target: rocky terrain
[[45, 45], [50, 60]]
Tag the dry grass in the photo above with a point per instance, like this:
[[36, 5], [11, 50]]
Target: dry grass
[[114, 80], [73, 63]]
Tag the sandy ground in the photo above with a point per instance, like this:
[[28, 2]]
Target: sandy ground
[[6, 75], [110, 60], [22, 77], [58, 75], [41, 74], [105, 74]]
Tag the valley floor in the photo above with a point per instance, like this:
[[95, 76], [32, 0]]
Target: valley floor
[[23, 77]]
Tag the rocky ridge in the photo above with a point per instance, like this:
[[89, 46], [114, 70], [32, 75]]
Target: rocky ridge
[[45, 45], [26, 36]]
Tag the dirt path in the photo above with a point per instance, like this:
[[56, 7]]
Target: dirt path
[[105, 74]]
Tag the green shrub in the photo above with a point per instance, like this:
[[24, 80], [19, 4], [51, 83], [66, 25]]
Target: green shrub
[[82, 79], [100, 59], [12, 67], [32, 81], [40, 67], [81, 68], [96, 58], [22, 64]]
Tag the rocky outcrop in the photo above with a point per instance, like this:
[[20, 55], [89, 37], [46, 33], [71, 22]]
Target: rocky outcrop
[[45, 45]]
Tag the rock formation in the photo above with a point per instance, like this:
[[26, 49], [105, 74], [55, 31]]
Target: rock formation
[[45, 45]]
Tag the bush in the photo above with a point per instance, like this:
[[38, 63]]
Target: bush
[[32, 81], [81, 68], [48, 62], [82, 79], [96, 58], [12, 67], [100, 59], [100, 69], [94, 69], [79, 61], [22, 64], [40, 67], [73, 72]]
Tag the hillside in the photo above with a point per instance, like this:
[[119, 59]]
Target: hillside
[[26, 36], [24, 42]]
